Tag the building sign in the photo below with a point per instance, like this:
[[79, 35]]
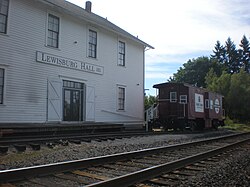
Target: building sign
[[68, 63], [199, 103]]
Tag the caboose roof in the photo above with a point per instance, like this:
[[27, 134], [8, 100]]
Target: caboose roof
[[167, 84], [162, 85]]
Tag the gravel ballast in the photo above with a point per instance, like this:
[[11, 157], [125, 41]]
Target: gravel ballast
[[215, 177], [233, 170]]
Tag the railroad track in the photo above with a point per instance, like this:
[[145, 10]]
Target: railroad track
[[156, 166], [34, 142], [43, 138]]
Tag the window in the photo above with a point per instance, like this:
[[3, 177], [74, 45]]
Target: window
[[173, 97], [211, 104], [121, 98], [53, 31], [4, 4], [121, 57], [183, 99], [206, 103], [1, 85], [92, 43]]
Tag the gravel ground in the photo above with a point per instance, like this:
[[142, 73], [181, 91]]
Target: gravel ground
[[235, 170]]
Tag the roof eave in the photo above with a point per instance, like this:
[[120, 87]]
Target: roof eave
[[92, 18]]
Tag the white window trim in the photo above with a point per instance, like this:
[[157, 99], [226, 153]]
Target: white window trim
[[125, 62], [4, 85], [46, 31], [117, 98], [7, 26], [173, 100], [184, 99], [87, 42]]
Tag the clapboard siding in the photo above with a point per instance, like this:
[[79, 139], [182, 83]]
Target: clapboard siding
[[26, 79]]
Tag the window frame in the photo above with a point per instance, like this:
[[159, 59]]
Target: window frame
[[92, 44], [207, 104], [121, 97], [57, 32], [5, 15], [183, 100], [121, 53], [211, 104], [2, 95], [173, 100]]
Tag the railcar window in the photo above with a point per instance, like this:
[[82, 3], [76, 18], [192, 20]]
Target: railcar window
[[207, 104], [183, 99], [173, 97], [211, 104]]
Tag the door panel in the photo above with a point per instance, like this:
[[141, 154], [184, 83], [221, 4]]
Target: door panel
[[54, 99], [90, 103]]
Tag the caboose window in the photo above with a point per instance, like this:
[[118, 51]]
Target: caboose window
[[207, 104], [173, 97], [211, 104], [183, 99]]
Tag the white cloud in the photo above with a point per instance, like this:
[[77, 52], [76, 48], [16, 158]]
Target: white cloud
[[158, 75], [177, 29]]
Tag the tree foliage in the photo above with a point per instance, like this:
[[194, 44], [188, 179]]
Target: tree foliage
[[226, 71], [236, 91], [149, 101], [193, 72], [232, 59], [245, 54]]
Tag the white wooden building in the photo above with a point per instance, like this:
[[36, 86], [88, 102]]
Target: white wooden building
[[62, 63]]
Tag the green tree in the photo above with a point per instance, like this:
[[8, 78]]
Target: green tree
[[210, 79], [219, 53], [232, 61], [193, 72], [239, 96], [149, 101], [219, 58], [245, 53], [236, 91]]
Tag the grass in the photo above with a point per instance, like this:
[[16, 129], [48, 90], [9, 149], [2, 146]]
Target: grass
[[237, 127]]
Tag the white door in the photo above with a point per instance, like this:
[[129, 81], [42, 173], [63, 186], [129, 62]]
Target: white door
[[90, 103], [54, 100]]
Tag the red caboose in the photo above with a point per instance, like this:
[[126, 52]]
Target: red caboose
[[183, 106]]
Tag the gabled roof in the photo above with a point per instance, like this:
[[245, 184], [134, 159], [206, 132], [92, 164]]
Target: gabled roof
[[90, 17]]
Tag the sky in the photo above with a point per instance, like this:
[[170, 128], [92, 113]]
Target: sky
[[179, 30]]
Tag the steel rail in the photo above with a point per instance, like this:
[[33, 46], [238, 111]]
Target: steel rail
[[42, 170], [24, 139], [149, 173]]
